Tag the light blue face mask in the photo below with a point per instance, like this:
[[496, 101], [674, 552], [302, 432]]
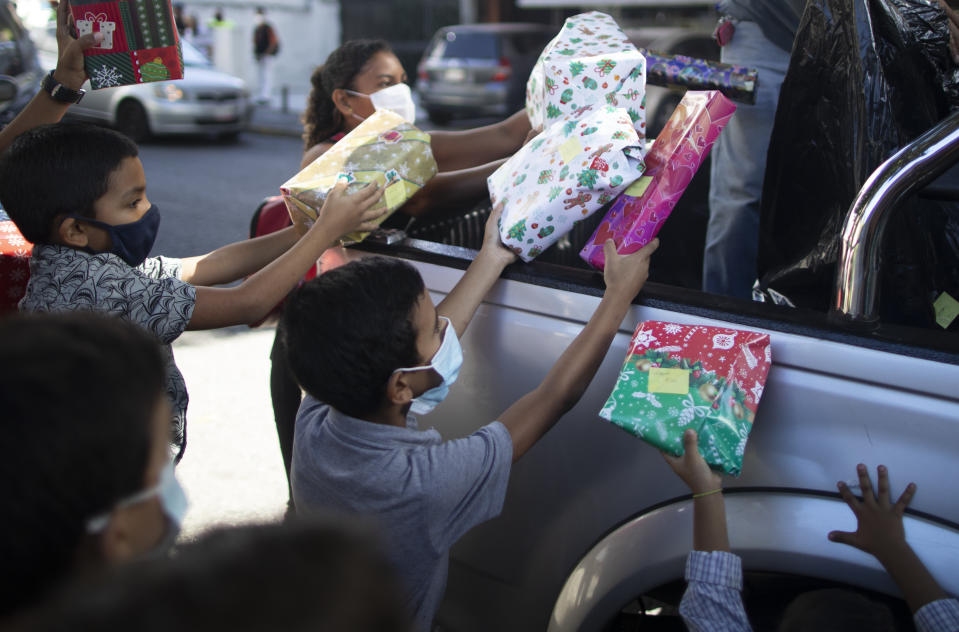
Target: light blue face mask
[[172, 499], [446, 362]]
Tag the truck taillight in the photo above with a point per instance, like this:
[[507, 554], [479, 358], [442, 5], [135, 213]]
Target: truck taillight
[[503, 70]]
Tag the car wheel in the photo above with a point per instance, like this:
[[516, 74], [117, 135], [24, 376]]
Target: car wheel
[[132, 120], [229, 138], [440, 117]]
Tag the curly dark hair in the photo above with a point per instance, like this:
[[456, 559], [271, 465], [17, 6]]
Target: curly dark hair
[[321, 119]]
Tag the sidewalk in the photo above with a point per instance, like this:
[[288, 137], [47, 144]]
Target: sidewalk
[[273, 119]]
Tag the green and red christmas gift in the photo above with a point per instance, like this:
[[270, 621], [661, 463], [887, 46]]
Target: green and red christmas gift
[[590, 62], [140, 41], [676, 377], [565, 174], [14, 264], [384, 149]]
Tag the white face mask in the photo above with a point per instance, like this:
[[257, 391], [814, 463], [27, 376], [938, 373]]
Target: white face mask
[[446, 362], [397, 98]]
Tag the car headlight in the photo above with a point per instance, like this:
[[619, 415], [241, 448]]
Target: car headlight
[[169, 92]]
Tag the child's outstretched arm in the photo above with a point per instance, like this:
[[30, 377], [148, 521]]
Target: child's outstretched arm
[[880, 533], [70, 73], [713, 598], [256, 296], [709, 507], [536, 412], [461, 303]]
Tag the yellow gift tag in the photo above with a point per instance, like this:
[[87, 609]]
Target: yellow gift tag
[[570, 149], [947, 308], [395, 194], [639, 187], [675, 381]]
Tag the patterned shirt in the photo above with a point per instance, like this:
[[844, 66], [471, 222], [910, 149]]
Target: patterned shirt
[[713, 600], [152, 295]]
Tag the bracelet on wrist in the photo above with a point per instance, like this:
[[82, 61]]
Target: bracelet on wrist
[[718, 490]]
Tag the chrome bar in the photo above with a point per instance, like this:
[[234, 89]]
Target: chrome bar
[[912, 167]]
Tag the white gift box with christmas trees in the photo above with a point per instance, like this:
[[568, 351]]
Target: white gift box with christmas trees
[[590, 61]]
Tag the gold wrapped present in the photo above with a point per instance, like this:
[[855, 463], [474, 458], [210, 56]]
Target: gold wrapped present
[[383, 149]]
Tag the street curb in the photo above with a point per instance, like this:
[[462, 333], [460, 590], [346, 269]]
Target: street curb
[[274, 131]]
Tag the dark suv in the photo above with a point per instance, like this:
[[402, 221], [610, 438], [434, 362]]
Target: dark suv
[[18, 64], [479, 69]]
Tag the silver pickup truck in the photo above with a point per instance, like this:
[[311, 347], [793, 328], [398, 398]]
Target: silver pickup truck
[[596, 528]]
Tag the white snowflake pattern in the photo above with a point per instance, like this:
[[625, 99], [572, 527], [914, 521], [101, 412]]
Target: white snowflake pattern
[[672, 328], [649, 397], [644, 338], [106, 76], [757, 391], [673, 411], [18, 275], [7, 227]]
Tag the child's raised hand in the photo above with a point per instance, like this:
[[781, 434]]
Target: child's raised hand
[[691, 467], [626, 274], [344, 213], [492, 244], [879, 530], [70, 70]]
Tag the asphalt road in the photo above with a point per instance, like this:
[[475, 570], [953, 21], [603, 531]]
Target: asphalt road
[[206, 193]]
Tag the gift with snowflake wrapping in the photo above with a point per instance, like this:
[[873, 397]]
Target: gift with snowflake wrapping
[[14, 264], [140, 41], [384, 149], [590, 62], [676, 377], [637, 215], [565, 174]]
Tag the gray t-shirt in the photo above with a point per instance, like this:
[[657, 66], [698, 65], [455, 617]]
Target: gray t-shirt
[[778, 19], [424, 492], [64, 279]]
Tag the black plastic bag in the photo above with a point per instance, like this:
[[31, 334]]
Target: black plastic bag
[[865, 78]]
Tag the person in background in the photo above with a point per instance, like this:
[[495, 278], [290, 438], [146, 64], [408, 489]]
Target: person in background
[[757, 34], [324, 575], [86, 477], [713, 599], [266, 45]]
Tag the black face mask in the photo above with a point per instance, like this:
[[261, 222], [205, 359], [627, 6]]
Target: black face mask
[[131, 242]]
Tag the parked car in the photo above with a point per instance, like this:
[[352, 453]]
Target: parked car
[[595, 528], [479, 69], [205, 101], [19, 64]]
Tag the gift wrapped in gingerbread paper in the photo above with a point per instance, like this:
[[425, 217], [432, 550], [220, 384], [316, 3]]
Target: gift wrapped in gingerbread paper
[[565, 174], [677, 376], [140, 41], [384, 149]]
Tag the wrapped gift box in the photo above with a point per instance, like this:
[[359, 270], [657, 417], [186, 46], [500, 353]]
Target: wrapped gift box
[[14, 264], [637, 215], [676, 377], [565, 174], [140, 41], [383, 149], [738, 83], [590, 62]]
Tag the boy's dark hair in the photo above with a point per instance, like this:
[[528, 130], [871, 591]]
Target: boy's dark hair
[[298, 576], [321, 118], [78, 393], [56, 170], [350, 328]]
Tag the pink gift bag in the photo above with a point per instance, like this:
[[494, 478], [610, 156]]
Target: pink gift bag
[[637, 215]]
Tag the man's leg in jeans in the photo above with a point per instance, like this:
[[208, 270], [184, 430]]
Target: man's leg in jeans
[[738, 167]]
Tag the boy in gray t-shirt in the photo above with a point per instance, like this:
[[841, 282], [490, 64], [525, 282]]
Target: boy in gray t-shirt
[[385, 351]]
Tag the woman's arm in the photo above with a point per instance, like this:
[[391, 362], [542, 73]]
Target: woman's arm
[[470, 148], [451, 190], [313, 153]]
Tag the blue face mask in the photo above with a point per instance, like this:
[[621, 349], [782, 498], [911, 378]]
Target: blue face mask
[[446, 362], [172, 499], [131, 242]]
